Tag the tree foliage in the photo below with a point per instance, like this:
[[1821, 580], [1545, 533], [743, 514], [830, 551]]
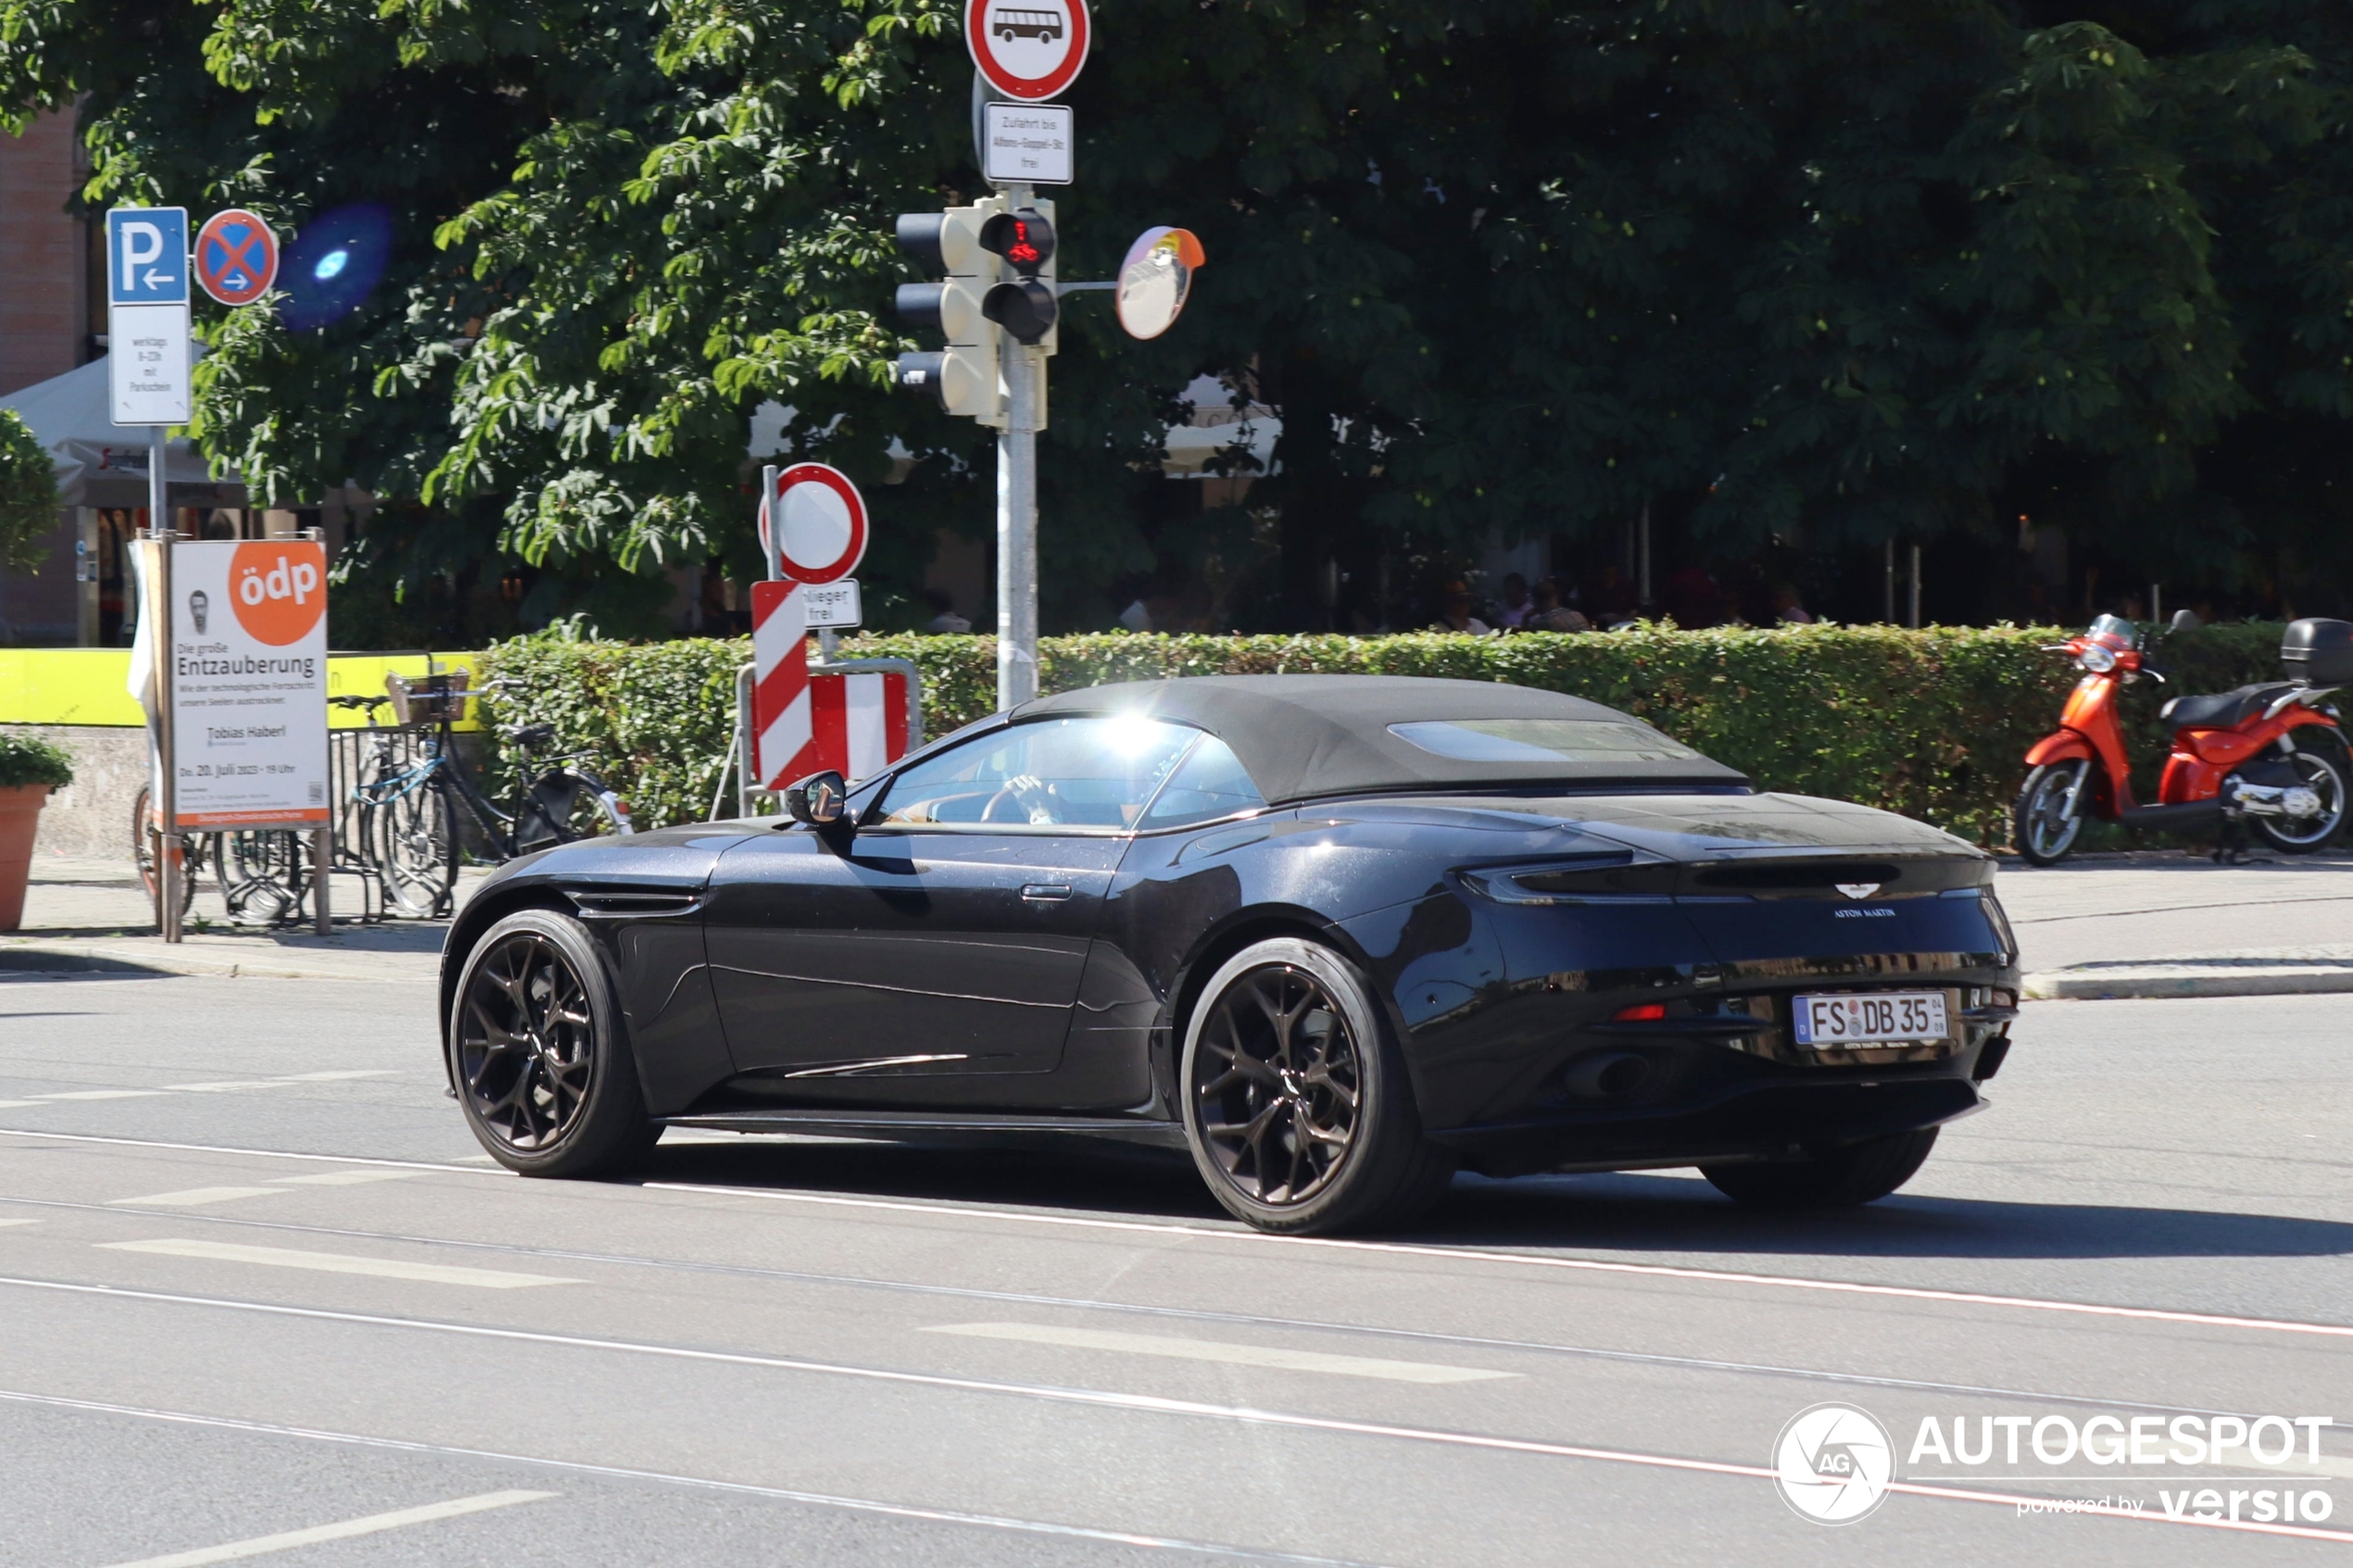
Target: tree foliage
[[28, 494], [1845, 267]]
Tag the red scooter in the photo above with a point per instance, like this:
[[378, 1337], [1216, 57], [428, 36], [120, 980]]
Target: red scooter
[[2271, 756]]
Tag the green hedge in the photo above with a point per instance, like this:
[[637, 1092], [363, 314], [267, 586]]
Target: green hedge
[[1931, 723]]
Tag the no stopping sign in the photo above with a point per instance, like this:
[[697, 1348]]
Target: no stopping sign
[[822, 536]]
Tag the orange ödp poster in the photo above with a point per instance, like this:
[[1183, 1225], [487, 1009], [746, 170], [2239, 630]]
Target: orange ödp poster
[[248, 682]]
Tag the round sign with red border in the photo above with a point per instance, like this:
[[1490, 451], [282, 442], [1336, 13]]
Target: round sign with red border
[[236, 257], [825, 531], [1027, 50]]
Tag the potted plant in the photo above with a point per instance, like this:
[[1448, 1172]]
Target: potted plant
[[29, 769]]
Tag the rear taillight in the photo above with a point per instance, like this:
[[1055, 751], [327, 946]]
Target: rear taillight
[[1641, 1012]]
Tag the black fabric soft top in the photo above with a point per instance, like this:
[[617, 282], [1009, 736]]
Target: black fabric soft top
[[1306, 735]]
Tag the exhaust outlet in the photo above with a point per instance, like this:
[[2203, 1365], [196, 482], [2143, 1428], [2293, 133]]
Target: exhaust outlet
[[1609, 1074]]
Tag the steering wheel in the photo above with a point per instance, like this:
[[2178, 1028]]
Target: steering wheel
[[1034, 799]]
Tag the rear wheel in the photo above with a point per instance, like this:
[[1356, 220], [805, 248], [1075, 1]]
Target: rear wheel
[[2049, 815], [1838, 1178], [1296, 1103], [538, 1053], [2324, 775], [146, 842]]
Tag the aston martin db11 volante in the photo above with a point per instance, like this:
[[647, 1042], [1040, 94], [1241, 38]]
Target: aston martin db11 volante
[[1337, 936]]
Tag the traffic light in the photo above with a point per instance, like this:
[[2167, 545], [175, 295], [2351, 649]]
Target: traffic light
[[1025, 306], [963, 377]]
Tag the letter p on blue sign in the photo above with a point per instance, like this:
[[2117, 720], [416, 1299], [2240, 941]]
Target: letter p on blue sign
[[147, 256]]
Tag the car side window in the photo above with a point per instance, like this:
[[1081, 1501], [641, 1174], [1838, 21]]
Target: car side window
[[1057, 772], [1211, 782]]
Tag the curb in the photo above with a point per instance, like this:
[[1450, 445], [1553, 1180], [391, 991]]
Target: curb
[[59, 957], [2176, 980]]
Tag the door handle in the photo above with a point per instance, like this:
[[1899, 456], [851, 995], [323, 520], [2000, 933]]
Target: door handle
[[1045, 892]]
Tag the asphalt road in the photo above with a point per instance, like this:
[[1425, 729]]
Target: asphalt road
[[256, 1278]]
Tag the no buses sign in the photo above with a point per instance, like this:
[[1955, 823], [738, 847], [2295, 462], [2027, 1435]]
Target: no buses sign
[[247, 681]]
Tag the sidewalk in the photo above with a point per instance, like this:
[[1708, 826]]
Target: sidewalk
[[96, 915], [2169, 924]]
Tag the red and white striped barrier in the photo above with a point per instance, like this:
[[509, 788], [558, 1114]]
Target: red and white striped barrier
[[803, 721], [782, 732]]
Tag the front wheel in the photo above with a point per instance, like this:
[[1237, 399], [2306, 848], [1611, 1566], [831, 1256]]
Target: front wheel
[[539, 1056], [2049, 815], [1838, 1178], [2325, 776], [411, 836], [1295, 1098]]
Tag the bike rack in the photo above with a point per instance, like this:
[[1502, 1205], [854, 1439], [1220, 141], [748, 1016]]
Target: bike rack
[[739, 748]]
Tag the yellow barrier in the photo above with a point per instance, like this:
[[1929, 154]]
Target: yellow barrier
[[86, 686]]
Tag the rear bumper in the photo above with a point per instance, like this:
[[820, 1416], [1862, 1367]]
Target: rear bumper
[[1765, 1118]]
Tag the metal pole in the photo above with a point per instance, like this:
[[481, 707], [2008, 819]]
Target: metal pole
[[1889, 614], [1017, 514], [773, 545], [1915, 586], [2157, 603], [169, 871], [1644, 591]]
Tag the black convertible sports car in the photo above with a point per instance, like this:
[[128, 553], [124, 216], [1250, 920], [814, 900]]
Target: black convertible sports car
[[1336, 935]]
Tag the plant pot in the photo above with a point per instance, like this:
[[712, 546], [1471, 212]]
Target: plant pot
[[19, 815]]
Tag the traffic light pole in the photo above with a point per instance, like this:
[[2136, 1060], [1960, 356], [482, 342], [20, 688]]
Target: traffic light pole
[[1025, 372]]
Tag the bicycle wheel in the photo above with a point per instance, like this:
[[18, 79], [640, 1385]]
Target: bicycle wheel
[[146, 836], [263, 878], [412, 838]]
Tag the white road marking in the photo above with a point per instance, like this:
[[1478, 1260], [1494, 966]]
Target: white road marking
[[1219, 1351], [741, 1489], [1243, 1414], [100, 1094], [338, 1263], [191, 1196], [1483, 1255], [342, 1178], [339, 1077], [232, 1084], [9, 1222], [374, 1523], [16, 1104], [467, 1165]]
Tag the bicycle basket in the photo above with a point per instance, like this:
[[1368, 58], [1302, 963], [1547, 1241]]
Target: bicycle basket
[[435, 700]]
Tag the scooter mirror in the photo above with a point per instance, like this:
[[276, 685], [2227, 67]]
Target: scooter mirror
[[2184, 620]]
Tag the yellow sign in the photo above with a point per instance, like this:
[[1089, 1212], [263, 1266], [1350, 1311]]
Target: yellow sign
[[85, 685]]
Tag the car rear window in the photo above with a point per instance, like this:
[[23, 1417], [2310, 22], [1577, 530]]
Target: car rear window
[[1542, 740]]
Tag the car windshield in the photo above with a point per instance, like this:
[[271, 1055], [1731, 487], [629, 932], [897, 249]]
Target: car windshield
[[1542, 740], [2125, 633], [1058, 773]]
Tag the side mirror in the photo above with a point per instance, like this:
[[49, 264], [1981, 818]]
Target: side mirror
[[821, 800], [2184, 620]]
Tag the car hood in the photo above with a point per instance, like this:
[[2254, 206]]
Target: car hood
[[1685, 827], [673, 857]]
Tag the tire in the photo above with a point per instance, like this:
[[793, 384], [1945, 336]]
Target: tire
[[1839, 1178], [2326, 772], [559, 1096], [2046, 820], [145, 843], [412, 838], [1295, 1100]]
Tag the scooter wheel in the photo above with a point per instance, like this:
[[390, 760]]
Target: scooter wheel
[[2324, 775], [2048, 817]]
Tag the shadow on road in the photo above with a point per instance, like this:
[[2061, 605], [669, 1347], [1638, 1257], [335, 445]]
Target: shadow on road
[[1623, 1214]]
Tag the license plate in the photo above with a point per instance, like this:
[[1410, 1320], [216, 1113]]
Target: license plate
[[1879, 1018]]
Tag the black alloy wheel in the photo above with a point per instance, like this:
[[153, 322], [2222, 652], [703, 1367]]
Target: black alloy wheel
[[537, 1054], [1295, 1102]]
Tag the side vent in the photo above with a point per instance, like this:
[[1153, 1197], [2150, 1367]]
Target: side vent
[[615, 903]]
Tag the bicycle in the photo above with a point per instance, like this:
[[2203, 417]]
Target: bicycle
[[146, 832], [410, 810]]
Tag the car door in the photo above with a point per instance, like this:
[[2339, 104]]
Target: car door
[[944, 939]]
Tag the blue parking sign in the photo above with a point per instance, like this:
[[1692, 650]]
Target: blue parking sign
[[147, 256]]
